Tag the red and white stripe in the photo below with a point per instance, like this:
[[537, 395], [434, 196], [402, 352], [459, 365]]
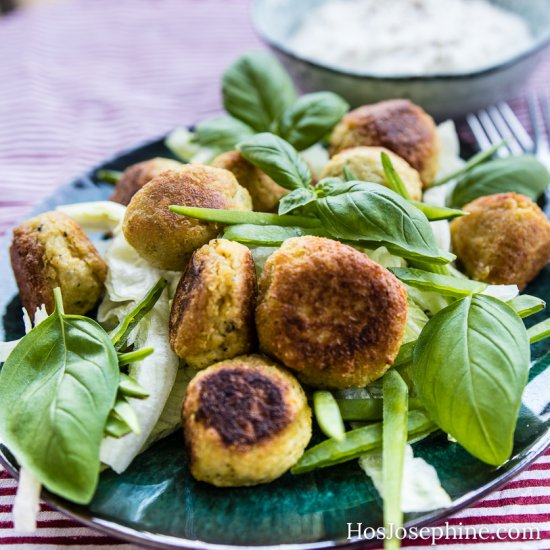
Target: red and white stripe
[[81, 80]]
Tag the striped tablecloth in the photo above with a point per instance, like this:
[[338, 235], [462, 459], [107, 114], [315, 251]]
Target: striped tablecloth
[[83, 79]]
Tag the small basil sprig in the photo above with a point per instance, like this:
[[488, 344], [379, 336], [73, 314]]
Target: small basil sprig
[[57, 389], [369, 212], [278, 159], [470, 367], [311, 118], [261, 97], [257, 90], [523, 174]]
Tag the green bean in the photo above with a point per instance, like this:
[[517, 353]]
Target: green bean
[[435, 213], [368, 409], [130, 387], [328, 415], [525, 305], [474, 161], [109, 176], [356, 443], [231, 217], [540, 331], [393, 451], [393, 178], [134, 356]]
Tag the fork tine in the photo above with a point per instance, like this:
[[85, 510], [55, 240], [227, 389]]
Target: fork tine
[[511, 141], [516, 126], [545, 104], [532, 107], [479, 134], [493, 133]]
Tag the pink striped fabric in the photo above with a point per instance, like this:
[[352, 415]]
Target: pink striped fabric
[[83, 79]]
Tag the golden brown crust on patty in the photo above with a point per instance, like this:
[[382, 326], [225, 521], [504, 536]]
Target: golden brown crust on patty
[[51, 250], [365, 163], [328, 312], [265, 193], [212, 315], [166, 239], [504, 240], [246, 421], [137, 175], [397, 124]]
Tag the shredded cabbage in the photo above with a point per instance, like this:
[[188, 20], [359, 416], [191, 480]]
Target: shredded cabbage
[[316, 157], [180, 142], [96, 216], [129, 279]]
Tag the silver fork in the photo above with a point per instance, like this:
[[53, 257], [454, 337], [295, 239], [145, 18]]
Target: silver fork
[[494, 124]]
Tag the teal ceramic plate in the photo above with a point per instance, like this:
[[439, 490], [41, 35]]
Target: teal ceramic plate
[[156, 502]]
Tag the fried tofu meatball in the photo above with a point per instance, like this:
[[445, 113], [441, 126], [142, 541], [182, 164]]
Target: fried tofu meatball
[[505, 239], [212, 314], [398, 125], [49, 251], [167, 240], [328, 312], [264, 191], [365, 164], [246, 421], [137, 175]]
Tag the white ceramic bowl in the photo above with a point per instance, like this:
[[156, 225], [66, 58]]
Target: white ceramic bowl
[[443, 96]]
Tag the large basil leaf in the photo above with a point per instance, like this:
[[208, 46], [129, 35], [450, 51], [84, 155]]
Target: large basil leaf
[[311, 118], [278, 159], [57, 389], [525, 175], [257, 90], [470, 367], [222, 133], [368, 212]]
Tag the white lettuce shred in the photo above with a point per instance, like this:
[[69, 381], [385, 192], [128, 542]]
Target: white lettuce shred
[[502, 292], [383, 256], [170, 418], [129, 279], [27, 502], [27, 499], [316, 157], [421, 488], [95, 216]]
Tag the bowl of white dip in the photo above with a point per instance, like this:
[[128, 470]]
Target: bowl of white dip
[[450, 56]]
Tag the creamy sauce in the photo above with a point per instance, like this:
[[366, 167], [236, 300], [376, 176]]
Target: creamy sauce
[[410, 37]]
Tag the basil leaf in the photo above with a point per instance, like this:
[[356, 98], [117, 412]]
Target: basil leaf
[[57, 389], [222, 133], [368, 212], [525, 175], [442, 284], [278, 159], [311, 118], [525, 305], [470, 367], [296, 199], [267, 235], [257, 90]]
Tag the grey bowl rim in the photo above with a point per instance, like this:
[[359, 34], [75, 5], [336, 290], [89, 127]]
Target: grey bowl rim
[[539, 45]]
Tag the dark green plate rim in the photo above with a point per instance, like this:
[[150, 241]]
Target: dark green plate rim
[[154, 540]]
